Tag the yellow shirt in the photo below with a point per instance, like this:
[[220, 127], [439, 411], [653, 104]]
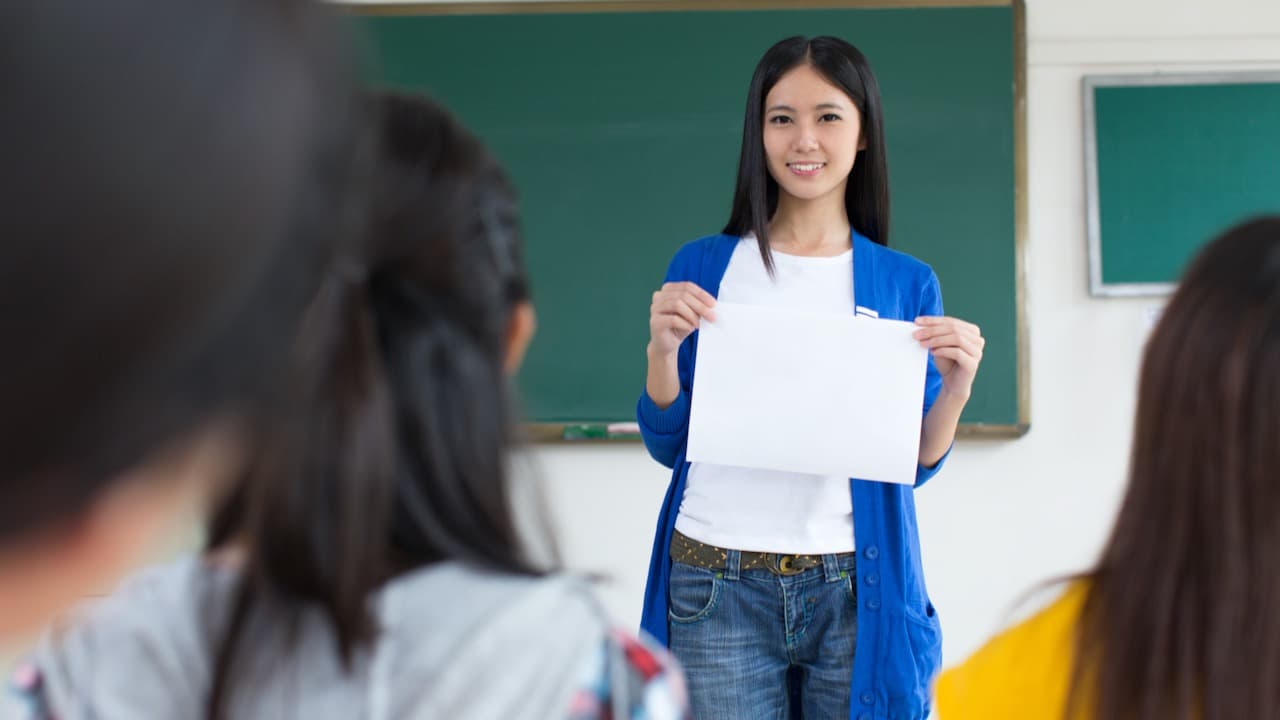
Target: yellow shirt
[[1022, 674]]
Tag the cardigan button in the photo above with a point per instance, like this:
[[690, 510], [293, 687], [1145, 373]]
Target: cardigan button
[[873, 579], [871, 553], [873, 604], [868, 698]]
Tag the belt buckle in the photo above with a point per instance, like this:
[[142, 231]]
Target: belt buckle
[[785, 565]]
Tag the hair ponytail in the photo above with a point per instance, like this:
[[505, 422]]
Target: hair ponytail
[[315, 507], [453, 413], [393, 453]]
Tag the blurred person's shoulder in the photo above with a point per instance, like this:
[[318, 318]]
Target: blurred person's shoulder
[[477, 602], [1023, 673], [145, 645], [550, 633]]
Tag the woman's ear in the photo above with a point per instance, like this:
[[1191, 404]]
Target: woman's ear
[[520, 328]]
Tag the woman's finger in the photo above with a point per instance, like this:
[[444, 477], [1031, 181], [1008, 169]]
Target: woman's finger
[[693, 300], [929, 331], [678, 308], [703, 296], [968, 344], [932, 331], [938, 341], [678, 325], [958, 356], [932, 320], [698, 303]]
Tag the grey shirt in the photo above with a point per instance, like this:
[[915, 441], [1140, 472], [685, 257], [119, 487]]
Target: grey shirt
[[456, 643]]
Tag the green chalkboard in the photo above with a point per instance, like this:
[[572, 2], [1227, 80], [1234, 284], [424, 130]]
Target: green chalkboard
[[1173, 161], [621, 130]]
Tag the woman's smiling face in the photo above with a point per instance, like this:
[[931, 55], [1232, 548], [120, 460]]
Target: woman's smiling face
[[812, 134]]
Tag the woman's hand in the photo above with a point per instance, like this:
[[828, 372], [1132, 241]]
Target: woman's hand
[[956, 347], [675, 313]]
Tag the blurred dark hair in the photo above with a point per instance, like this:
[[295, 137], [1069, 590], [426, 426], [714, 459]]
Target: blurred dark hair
[[866, 196], [397, 457], [1179, 622], [173, 173]]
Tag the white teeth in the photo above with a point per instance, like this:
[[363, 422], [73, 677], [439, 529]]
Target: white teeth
[[806, 167]]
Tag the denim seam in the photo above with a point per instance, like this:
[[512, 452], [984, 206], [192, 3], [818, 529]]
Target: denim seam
[[786, 617]]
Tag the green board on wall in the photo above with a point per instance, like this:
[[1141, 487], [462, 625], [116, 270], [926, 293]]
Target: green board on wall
[[1173, 160], [621, 130]]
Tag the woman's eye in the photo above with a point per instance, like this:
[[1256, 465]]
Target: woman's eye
[[779, 120], [830, 117]]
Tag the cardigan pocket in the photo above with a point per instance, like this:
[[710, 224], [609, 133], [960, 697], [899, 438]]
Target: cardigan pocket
[[925, 633], [914, 658]]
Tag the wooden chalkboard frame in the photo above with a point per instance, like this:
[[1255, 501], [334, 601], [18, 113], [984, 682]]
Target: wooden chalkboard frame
[[1091, 83], [560, 432]]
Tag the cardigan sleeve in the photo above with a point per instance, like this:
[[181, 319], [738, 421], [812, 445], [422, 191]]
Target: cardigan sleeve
[[931, 304], [665, 430]]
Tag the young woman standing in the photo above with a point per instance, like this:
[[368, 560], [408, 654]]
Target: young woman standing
[[774, 587]]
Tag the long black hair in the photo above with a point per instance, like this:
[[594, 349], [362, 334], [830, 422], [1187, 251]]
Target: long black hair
[[1179, 621], [173, 181], [396, 455], [866, 195]]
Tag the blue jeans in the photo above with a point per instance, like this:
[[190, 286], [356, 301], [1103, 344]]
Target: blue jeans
[[739, 635]]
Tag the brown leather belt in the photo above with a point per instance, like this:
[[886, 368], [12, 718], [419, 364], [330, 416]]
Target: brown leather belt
[[685, 549]]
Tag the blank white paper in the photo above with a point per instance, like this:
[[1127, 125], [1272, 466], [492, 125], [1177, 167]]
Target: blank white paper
[[805, 392]]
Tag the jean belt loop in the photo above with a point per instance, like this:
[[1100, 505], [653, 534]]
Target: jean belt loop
[[831, 565], [732, 561]]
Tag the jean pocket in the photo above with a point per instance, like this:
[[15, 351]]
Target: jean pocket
[[694, 593]]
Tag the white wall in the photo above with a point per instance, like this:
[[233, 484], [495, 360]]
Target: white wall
[[1003, 515]]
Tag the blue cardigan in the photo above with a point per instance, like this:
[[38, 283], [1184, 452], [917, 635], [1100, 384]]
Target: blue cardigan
[[899, 646]]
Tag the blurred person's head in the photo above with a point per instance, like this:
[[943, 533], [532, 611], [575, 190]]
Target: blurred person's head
[[1180, 621], [171, 178], [397, 457]]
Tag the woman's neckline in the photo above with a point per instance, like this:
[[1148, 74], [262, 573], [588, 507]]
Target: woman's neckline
[[842, 255]]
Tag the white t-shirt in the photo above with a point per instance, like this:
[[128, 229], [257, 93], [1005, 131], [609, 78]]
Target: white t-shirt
[[770, 510]]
